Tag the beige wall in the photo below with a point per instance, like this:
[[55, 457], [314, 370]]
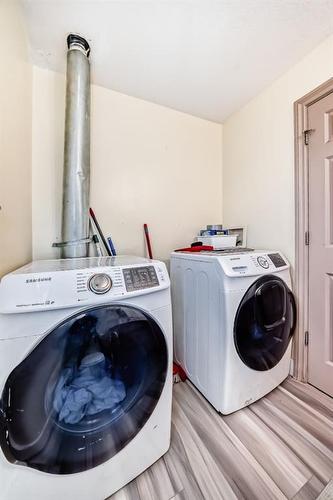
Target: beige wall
[[258, 155], [15, 139], [155, 165], [148, 164]]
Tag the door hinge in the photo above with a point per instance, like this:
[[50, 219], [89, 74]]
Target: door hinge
[[306, 338], [307, 238], [306, 135]]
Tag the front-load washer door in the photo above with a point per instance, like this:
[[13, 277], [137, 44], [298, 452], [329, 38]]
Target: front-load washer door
[[264, 323], [84, 391]]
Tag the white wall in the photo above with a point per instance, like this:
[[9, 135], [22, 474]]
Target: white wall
[[258, 155], [15, 140], [148, 164]]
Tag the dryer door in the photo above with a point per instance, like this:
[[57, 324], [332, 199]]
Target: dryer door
[[84, 391], [264, 323]]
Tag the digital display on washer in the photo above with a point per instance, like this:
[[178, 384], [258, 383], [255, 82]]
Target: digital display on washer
[[138, 278], [277, 259]]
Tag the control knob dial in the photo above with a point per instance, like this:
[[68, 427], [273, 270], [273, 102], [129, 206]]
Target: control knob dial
[[100, 283], [263, 262]]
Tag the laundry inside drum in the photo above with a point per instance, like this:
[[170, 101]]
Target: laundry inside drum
[[84, 391]]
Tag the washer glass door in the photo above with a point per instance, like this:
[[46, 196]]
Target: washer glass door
[[84, 391], [264, 323]]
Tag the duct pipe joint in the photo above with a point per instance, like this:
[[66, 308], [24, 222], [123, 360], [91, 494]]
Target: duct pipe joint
[[77, 42]]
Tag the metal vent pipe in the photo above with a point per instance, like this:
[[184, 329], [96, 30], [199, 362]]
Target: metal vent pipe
[[76, 177]]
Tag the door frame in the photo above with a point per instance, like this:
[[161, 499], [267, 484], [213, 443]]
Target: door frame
[[301, 278]]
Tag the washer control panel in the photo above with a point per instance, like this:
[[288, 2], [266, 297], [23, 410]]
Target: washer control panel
[[139, 278], [44, 285], [252, 264]]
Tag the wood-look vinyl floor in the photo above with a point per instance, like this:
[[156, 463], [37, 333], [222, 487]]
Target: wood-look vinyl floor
[[280, 447]]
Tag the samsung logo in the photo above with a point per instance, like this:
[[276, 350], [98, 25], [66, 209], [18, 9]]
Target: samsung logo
[[37, 280]]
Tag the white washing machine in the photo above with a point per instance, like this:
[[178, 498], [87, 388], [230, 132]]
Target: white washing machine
[[85, 375], [234, 316]]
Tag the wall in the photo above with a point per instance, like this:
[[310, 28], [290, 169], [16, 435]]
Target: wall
[[15, 139], [148, 164], [258, 155]]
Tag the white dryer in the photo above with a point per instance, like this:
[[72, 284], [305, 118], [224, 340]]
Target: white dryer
[[85, 376], [234, 316]]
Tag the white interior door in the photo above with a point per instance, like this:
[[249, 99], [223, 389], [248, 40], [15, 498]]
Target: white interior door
[[320, 115]]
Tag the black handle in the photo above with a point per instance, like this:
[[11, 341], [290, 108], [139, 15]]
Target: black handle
[[282, 320], [294, 312], [271, 326]]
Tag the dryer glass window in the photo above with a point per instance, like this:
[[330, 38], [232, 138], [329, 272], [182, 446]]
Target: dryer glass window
[[84, 391], [264, 323]]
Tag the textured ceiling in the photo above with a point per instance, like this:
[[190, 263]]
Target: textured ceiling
[[203, 57]]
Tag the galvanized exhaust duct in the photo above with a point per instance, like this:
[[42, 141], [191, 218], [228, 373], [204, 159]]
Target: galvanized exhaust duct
[[76, 177]]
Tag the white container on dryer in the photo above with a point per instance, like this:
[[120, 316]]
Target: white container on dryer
[[218, 241], [85, 376], [234, 316]]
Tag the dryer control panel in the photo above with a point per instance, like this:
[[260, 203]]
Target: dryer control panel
[[56, 284], [252, 264]]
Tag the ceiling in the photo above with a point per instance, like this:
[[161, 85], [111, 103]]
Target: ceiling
[[204, 57]]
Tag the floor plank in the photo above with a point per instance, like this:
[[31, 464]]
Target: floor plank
[[310, 490], [280, 447], [327, 493]]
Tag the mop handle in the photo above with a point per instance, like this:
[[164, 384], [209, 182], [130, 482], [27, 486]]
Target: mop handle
[[146, 230], [101, 235]]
